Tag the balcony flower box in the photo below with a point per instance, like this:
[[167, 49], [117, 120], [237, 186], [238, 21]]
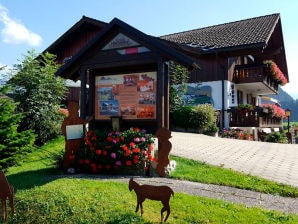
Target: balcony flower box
[[272, 110], [274, 71]]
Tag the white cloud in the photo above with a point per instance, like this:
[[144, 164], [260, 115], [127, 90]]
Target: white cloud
[[15, 32]]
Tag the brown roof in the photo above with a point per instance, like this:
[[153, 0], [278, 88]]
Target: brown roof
[[85, 23], [250, 32]]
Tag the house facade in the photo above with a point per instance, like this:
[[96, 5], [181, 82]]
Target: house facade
[[237, 63], [231, 64]]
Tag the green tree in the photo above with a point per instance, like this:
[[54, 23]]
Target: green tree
[[39, 94], [13, 144]]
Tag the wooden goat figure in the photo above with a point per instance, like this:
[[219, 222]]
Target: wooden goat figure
[[157, 193], [6, 192]]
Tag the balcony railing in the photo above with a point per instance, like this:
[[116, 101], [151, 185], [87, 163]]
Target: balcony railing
[[253, 118], [253, 74]]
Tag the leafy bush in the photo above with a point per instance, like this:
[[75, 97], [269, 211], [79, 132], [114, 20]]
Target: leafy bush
[[112, 151], [181, 117], [202, 117], [276, 137], [13, 143], [211, 130]]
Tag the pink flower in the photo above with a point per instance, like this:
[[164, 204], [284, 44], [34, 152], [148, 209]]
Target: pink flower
[[143, 139], [136, 139], [113, 155], [118, 163]]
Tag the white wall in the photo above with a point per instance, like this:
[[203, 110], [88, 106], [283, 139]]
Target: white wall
[[216, 93]]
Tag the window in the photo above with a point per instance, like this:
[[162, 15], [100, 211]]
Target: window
[[240, 97]]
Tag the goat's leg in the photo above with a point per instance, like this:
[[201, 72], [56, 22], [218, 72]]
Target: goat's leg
[[137, 208], [142, 211], [165, 208], [140, 201], [168, 213], [4, 210]]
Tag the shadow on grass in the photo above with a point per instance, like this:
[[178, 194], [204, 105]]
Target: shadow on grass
[[30, 179], [126, 218]]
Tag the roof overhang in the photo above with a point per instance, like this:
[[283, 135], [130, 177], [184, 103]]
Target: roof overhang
[[111, 29]]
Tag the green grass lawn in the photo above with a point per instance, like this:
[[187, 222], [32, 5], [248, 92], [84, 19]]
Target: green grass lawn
[[204, 173], [44, 196]]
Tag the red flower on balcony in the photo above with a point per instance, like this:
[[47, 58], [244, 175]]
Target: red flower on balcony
[[275, 72], [274, 110]]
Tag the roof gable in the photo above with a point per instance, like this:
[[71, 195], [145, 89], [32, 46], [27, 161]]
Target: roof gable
[[117, 27], [83, 24]]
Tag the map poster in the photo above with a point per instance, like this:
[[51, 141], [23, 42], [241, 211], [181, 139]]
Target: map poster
[[132, 96]]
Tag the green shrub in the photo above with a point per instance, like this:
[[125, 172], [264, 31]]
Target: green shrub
[[202, 117], [276, 137], [181, 117], [211, 130]]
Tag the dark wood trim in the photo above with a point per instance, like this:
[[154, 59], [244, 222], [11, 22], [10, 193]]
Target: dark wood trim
[[166, 97], [160, 94], [91, 94], [83, 74]]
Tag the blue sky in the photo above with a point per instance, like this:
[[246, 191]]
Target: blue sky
[[35, 24]]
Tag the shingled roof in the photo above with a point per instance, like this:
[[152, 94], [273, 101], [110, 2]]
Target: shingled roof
[[249, 32]]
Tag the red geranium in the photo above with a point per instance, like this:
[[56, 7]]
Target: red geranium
[[136, 150], [128, 163], [124, 147], [132, 144], [127, 152]]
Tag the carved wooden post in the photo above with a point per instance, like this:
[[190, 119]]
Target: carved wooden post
[[164, 148], [73, 128]]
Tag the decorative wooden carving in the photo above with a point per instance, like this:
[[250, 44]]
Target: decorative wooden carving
[[164, 148], [157, 193], [72, 145], [6, 192]]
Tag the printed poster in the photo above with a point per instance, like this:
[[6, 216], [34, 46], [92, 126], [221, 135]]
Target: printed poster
[[132, 96]]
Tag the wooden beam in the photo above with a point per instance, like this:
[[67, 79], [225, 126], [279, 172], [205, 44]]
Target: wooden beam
[[166, 96], [160, 94], [83, 77]]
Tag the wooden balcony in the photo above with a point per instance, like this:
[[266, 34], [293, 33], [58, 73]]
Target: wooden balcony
[[253, 118], [255, 78]]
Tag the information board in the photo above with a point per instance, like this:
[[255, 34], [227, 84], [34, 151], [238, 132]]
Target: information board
[[132, 96]]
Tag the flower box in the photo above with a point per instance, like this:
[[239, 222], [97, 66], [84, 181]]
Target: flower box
[[274, 71]]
